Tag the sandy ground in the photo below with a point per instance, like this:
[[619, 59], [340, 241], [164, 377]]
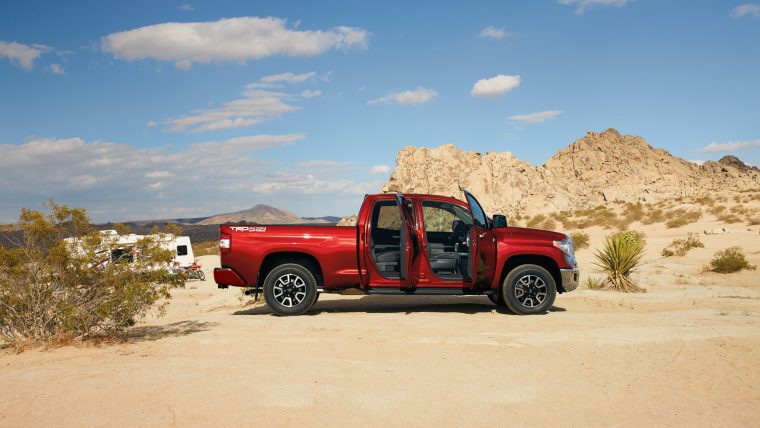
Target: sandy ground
[[687, 352]]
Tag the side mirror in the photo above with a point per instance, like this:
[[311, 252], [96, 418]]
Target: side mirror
[[499, 221]]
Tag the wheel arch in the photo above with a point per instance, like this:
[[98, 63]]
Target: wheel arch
[[272, 260], [545, 262]]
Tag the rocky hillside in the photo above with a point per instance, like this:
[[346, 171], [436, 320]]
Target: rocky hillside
[[601, 167], [260, 214]]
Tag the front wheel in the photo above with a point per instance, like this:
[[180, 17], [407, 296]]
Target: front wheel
[[290, 289], [529, 289]]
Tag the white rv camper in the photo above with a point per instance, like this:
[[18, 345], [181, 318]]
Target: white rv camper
[[180, 245]]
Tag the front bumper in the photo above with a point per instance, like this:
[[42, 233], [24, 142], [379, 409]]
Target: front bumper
[[570, 278]]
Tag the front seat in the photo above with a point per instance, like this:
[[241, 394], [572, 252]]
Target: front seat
[[442, 261]]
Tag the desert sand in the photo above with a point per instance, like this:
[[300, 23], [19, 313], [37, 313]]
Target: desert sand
[[686, 352]]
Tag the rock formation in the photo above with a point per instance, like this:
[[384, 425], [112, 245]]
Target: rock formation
[[599, 168]]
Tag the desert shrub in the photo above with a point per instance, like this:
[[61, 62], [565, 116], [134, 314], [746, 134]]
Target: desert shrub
[[753, 220], [679, 247], [52, 288], [704, 200], [656, 215], [681, 217], [593, 283], [580, 240], [730, 260], [548, 224], [633, 212], [717, 209], [536, 220], [206, 248], [598, 216], [619, 256], [729, 218]]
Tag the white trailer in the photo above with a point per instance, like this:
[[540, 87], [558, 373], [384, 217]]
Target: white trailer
[[121, 247]]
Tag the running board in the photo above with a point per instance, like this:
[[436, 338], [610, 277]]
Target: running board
[[429, 291]]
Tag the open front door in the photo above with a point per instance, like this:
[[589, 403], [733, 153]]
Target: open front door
[[483, 261], [409, 245]]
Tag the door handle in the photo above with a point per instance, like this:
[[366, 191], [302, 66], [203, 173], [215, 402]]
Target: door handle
[[482, 235]]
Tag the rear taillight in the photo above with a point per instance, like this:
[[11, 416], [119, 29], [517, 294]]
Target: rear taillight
[[225, 241]]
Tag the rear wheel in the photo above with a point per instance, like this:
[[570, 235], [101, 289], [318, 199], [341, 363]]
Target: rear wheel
[[529, 289], [290, 289]]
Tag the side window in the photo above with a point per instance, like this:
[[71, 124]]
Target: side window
[[181, 250], [477, 212], [437, 219], [439, 216]]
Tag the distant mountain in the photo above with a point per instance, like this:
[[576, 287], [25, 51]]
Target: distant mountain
[[328, 218], [263, 214]]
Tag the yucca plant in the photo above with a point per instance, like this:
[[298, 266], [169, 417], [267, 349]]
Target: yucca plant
[[620, 255]]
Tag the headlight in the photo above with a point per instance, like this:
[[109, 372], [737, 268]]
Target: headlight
[[566, 246]]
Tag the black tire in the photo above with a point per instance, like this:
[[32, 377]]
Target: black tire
[[201, 275], [290, 289], [529, 290]]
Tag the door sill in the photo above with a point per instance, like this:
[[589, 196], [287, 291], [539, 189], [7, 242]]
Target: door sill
[[431, 291]]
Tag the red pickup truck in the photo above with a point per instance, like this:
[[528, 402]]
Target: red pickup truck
[[402, 244]]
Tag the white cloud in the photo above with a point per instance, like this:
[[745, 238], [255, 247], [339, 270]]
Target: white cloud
[[288, 77], [731, 146], [379, 169], [581, 6], [57, 69], [311, 94], [260, 102], [151, 124], [746, 9], [417, 96], [494, 33], [536, 117], [234, 39], [308, 184], [187, 7], [23, 55], [697, 162], [256, 107], [107, 177], [495, 86], [329, 165]]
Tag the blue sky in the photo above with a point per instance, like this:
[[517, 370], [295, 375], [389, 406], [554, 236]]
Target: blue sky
[[162, 109]]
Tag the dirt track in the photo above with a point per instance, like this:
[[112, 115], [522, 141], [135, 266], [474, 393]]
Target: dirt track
[[681, 354]]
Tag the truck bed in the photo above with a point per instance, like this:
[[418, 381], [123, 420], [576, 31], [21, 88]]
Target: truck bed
[[251, 247]]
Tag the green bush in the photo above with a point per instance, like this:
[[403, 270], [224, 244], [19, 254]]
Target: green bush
[[730, 260], [52, 288], [580, 240], [619, 256]]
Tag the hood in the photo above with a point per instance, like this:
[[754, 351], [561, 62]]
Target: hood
[[527, 234]]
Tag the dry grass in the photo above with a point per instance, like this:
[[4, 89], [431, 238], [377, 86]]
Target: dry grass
[[681, 217], [580, 240], [206, 248]]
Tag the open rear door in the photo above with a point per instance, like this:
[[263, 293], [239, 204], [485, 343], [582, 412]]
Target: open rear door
[[483, 263], [409, 245]]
